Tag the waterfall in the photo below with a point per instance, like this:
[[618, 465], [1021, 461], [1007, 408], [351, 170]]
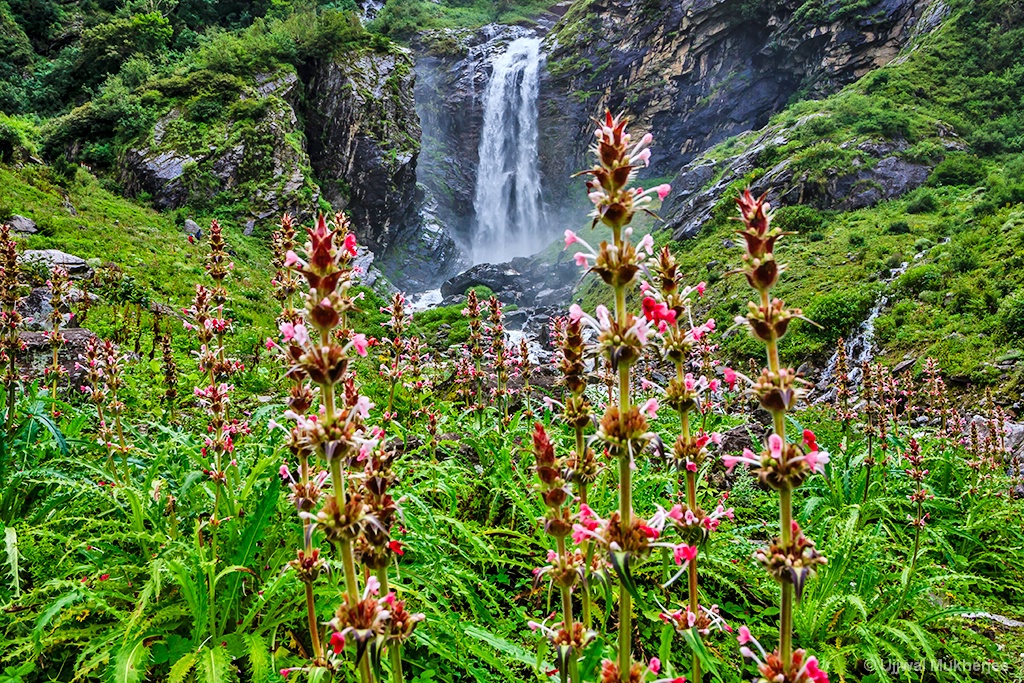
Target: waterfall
[[507, 201]]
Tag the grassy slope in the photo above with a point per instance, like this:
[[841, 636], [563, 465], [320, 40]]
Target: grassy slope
[[145, 243]]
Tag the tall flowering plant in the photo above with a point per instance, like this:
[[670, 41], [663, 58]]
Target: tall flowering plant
[[358, 512], [621, 338], [10, 319], [59, 285], [782, 465]]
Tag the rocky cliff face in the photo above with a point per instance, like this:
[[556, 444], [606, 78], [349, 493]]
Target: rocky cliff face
[[364, 141], [699, 71], [256, 158]]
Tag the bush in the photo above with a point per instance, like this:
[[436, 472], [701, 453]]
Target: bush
[[899, 228], [920, 279], [923, 202], [799, 218], [856, 240], [962, 258], [1011, 314], [839, 312], [959, 170]]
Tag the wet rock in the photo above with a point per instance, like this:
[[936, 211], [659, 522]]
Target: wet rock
[[37, 354], [36, 306], [903, 365], [530, 282], [76, 266], [22, 225], [498, 278], [364, 141]]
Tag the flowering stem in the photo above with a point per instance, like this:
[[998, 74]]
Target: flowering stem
[[786, 617], [395, 650], [567, 622], [314, 629]]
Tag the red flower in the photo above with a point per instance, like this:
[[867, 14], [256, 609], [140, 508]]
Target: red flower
[[396, 548]]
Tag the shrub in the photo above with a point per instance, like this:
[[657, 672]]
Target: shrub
[[856, 240], [899, 228], [839, 311], [920, 279], [923, 202], [962, 258], [800, 218], [1011, 314], [959, 170]]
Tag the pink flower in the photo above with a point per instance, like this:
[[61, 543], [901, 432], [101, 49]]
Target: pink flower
[[360, 344], [812, 670], [730, 378], [350, 244], [654, 666], [301, 336], [290, 259], [663, 191], [287, 331], [701, 286], [270, 344], [570, 238], [337, 642], [284, 472], [104, 577], [646, 244], [691, 466], [775, 446], [684, 553], [580, 258], [651, 408], [363, 406], [744, 636], [575, 312]]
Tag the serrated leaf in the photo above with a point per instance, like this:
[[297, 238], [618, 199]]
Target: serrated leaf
[[259, 657], [215, 666], [182, 667], [130, 665]]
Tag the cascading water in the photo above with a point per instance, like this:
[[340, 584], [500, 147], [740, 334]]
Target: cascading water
[[860, 347], [507, 202]]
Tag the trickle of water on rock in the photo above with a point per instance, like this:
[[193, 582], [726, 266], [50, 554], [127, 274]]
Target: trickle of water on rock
[[507, 202], [860, 347]]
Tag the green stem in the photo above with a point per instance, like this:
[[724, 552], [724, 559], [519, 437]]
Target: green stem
[[786, 618], [395, 649], [567, 622]]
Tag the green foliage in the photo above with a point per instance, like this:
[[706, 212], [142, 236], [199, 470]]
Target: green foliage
[[1011, 314], [958, 169], [840, 311], [105, 47]]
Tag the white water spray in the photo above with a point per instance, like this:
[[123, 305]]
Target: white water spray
[[507, 203]]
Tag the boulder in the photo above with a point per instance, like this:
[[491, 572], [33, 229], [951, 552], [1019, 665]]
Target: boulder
[[37, 354], [22, 225], [35, 308], [76, 266], [500, 277], [192, 228]]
